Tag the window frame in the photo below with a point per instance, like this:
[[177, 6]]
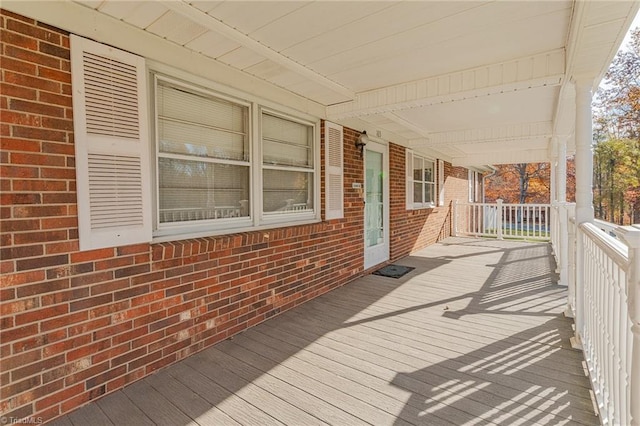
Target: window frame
[[256, 220], [271, 218], [414, 205]]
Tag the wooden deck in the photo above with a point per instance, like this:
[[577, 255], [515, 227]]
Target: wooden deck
[[473, 335]]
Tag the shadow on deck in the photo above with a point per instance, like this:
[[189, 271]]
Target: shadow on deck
[[473, 335]]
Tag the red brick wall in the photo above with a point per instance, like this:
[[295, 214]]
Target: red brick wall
[[77, 325], [412, 230]]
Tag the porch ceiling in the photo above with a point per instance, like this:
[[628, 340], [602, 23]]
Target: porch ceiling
[[472, 82]]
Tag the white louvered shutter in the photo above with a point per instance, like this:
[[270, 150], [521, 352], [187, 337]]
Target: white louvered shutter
[[409, 178], [111, 144], [334, 171]]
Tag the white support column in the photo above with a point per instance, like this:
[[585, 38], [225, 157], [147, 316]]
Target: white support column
[[631, 236], [584, 152], [553, 193], [563, 240], [561, 171], [584, 194], [570, 212]]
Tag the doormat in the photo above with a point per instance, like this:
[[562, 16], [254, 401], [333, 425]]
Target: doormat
[[393, 271]]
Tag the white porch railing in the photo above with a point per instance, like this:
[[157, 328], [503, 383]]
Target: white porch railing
[[607, 227], [500, 220], [606, 325], [603, 277]]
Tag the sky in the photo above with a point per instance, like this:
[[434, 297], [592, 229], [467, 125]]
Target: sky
[[634, 24]]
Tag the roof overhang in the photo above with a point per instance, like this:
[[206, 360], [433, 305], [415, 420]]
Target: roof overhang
[[474, 83]]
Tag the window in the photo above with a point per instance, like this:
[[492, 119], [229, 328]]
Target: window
[[213, 175], [169, 159], [203, 156], [421, 183], [288, 165]]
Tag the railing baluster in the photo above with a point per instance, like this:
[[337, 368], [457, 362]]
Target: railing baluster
[[474, 223], [500, 220], [510, 220], [617, 319]]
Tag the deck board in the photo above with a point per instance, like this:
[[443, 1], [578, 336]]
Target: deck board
[[447, 371], [92, 415], [474, 335], [120, 410], [268, 393], [156, 406], [232, 404], [189, 402]]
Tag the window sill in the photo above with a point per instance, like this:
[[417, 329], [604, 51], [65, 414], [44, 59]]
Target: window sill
[[423, 207], [228, 231]]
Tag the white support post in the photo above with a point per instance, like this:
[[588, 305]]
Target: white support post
[[553, 193], [584, 152], [572, 229], [584, 190], [575, 302], [563, 238], [553, 197], [561, 177], [499, 218], [631, 236]]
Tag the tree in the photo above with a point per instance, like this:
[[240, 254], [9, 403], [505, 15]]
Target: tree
[[519, 183], [571, 180], [617, 180], [617, 102], [617, 138]]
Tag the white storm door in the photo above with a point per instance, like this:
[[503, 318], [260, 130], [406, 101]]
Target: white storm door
[[376, 208]]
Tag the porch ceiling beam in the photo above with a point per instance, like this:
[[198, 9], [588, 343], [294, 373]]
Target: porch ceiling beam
[[422, 146], [373, 128], [544, 69], [503, 157], [183, 8], [407, 124], [505, 133]]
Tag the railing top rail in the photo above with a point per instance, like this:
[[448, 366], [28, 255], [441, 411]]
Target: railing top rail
[[604, 225], [614, 248], [467, 203], [526, 205]]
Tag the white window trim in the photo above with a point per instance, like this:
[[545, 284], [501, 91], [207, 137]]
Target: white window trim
[[256, 220], [471, 185], [411, 204], [272, 218], [441, 195]]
